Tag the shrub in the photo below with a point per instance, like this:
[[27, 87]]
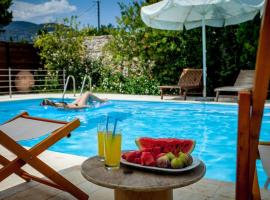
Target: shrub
[[62, 49]]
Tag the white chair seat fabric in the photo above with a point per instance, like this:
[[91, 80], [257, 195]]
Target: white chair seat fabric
[[25, 129], [265, 158]]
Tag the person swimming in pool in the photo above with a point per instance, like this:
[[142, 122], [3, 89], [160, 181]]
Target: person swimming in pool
[[80, 102]]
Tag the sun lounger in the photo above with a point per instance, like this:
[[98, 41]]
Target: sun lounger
[[244, 81], [190, 79], [264, 150], [24, 127]]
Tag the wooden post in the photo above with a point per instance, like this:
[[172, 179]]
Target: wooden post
[[256, 188], [243, 146], [261, 83], [260, 90]]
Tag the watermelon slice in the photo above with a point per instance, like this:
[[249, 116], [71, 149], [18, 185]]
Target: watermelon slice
[[130, 156], [140, 157], [154, 151], [167, 144], [147, 159]]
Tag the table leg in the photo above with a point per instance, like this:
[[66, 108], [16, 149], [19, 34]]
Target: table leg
[[136, 195]]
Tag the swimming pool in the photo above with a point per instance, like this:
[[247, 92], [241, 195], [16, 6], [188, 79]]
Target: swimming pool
[[213, 126]]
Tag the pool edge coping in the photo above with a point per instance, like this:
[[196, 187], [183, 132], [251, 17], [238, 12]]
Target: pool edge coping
[[117, 97]]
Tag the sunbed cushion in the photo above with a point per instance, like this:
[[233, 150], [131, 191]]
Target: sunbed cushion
[[234, 88]]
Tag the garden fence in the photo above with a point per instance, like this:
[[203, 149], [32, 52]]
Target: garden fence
[[20, 81]]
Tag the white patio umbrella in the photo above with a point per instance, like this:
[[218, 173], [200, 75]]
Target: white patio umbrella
[[177, 14]]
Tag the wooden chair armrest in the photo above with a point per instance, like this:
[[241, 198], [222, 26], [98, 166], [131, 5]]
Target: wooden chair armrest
[[169, 87], [264, 143]]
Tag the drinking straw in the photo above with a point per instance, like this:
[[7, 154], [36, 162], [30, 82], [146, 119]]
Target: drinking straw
[[107, 123], [114, 128]]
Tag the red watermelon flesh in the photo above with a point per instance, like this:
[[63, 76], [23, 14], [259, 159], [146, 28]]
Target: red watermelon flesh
[[130, 156], [159, 155], [142, 157], [166, 145], [154, 151], [147, 159], [138, 160]]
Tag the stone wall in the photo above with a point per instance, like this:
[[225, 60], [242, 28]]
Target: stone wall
[[95, 44]]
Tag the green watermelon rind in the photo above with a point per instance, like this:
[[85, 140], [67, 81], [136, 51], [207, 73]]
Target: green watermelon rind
[[137, 141], [192, 147]]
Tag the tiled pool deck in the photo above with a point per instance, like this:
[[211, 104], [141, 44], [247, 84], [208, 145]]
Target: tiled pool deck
[[14, 188]]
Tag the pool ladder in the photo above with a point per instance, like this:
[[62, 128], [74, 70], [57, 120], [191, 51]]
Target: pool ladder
[[85, 78], [66, 84]]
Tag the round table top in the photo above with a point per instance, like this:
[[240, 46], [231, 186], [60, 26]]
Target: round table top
[[137, 180]]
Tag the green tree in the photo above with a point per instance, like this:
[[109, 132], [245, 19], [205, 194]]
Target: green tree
[[5, 14], [160, 55], [104, 30], [62, 48]]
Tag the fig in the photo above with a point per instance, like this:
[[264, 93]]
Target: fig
[[189, 160], [163, 162]]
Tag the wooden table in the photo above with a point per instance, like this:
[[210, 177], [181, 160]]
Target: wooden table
[[132, 184]]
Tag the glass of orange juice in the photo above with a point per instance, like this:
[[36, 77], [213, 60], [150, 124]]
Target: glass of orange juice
[[112, 147], [101, 130]]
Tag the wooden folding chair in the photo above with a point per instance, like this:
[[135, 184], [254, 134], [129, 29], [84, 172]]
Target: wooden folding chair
[[250, 114], [23, 127]]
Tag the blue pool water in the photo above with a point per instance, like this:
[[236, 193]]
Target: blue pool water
[[214, 127]]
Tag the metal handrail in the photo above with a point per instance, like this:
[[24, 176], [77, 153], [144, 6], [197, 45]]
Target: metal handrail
[[48, 90], [36, 80], [44, 70], [86, 77], [9, 78], [66, 84], [43, 85]]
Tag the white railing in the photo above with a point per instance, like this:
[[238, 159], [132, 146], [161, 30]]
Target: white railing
[[18, 81]]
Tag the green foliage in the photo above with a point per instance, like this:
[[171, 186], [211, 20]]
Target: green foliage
[[139, 58], [5, 14], [92, 31], [158, 55], [62, 49], [118, 83], [161, 55]]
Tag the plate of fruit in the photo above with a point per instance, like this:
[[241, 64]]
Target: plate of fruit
[[168, 155]]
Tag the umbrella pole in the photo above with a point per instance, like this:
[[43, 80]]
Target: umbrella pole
[[204, 56]]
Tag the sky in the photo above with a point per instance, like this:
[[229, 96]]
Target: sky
[[43, 11]]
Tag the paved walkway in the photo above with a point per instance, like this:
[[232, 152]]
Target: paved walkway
[[14, 188]]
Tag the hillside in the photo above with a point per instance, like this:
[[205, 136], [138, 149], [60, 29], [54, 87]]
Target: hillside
[[18, 31]]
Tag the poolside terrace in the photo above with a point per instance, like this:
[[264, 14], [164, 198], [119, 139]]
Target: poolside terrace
[[69, 165]]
